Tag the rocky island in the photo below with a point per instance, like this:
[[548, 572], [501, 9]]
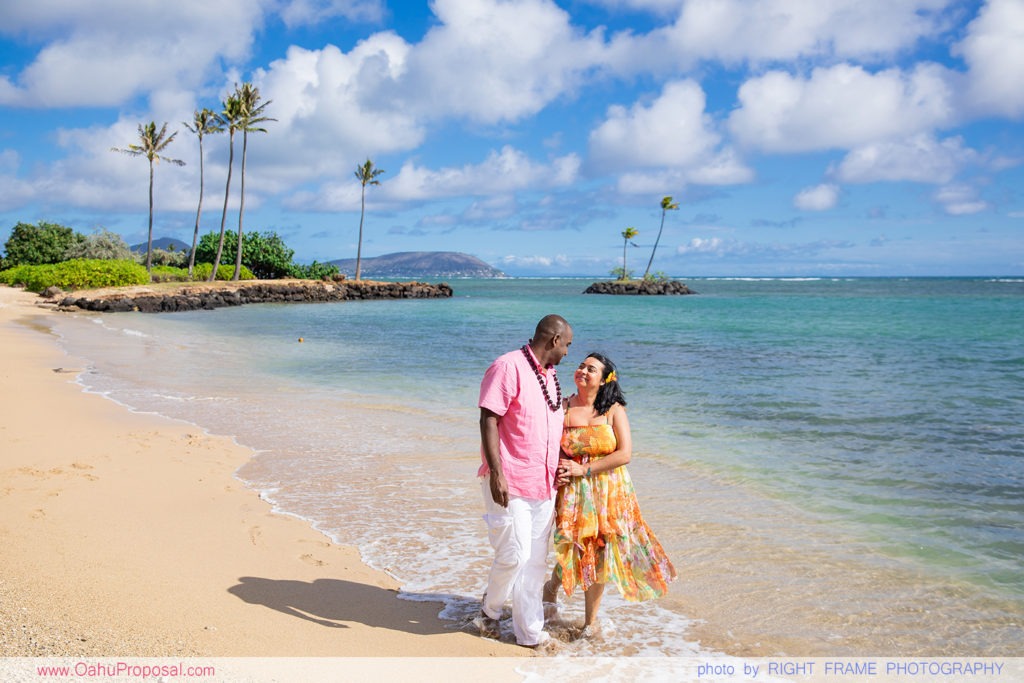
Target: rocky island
[[639, 287]]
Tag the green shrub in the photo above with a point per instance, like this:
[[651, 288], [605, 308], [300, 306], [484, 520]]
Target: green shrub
[[163, 257], [202, 272], [313, 271], [103, 244], [266, 254], [169, 274], [77, 274], [34, 245]]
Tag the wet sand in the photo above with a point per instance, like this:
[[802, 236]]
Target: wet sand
[[127, 535]]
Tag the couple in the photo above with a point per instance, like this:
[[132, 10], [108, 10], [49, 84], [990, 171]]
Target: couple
[[599, 534]]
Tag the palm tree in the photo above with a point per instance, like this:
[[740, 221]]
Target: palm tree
[[251, 115], [151, 143], [627, 235], [228, 118], [367, 175], [666, 205], [203, 123]]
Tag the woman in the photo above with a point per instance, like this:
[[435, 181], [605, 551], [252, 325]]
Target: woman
[[599, 534]]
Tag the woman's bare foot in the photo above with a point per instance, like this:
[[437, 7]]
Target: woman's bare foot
[[550, 599]]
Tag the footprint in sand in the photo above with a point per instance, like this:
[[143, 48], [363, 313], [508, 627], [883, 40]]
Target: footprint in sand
[[309, 559]]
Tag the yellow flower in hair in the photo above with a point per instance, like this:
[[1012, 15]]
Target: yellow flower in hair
[[611, 377]]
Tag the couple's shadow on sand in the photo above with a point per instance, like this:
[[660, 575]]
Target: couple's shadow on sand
[[332, 602]]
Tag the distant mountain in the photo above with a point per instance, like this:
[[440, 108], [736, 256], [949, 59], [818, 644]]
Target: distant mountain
[[165, 243], [414, 264]]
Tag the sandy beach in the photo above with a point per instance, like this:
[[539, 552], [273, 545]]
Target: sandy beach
[[127, 535]]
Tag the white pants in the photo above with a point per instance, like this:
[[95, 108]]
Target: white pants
[[521, 536]]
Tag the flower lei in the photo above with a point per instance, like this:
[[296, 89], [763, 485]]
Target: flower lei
[[553, 405]]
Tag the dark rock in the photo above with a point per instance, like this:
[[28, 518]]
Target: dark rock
[[191, 298], [639, 287]]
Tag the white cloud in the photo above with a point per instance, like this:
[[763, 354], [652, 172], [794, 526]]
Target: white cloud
[[493, 61], [960, 200], [994, 52], [843, 106], [310, 12], [505, 171], [920, 158], [673, 130], [14, 192], [757, 31], [501, 172], [109, 52], [818, 198], [329, 100], [662, 7], [706, 245], [665, 143], [559, 260], [731, 248]]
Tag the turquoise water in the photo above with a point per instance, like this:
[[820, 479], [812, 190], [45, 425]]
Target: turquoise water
[[835, 465]]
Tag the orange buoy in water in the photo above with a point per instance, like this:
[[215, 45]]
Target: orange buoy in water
[[300, 339]]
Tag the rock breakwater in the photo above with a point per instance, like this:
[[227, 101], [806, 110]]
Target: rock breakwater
[[200, 296]]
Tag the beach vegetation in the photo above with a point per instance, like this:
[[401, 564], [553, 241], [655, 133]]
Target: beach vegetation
[[367, 174], [204, 122], [658, 276], [169, 274], [169, 257], [251, 114], [103, 244], [151, 144], [314, 271], [229, 118], [77, 274], [39, 244], [266, 255], [200, 273], [666, 205]]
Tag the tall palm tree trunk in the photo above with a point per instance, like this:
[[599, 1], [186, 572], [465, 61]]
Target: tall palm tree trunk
[[199, 213], [359, 249], [224, 214], [241, 210], [656, 241], [149, 243]]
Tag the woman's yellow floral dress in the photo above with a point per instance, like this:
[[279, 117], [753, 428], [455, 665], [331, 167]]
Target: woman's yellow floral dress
[[600, 536]]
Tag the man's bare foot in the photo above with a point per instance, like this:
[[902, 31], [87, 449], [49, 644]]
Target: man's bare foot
[[489, 628]]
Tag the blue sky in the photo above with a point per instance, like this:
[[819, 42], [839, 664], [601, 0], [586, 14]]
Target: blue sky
[[799, 137]]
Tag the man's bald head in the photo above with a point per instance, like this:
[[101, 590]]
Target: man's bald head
[[551, 339]]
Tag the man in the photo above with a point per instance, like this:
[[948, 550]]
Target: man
[[521, 418]]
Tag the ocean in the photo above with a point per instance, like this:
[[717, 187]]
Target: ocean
[[834, 465]]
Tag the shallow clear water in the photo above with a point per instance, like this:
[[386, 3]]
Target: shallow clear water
[[835, 466]]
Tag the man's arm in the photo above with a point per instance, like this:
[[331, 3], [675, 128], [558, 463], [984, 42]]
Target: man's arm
[[489, 440]]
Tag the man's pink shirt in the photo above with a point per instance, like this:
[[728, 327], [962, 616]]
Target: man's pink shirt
[[529, 432]]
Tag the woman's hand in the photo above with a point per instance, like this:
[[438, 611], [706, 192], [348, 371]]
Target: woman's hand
[[564, 472]]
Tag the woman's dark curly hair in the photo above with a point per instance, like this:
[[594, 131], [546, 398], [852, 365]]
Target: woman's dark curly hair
[[609, 393]]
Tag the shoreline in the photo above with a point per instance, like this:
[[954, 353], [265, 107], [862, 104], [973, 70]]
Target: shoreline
[[128, 534]]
